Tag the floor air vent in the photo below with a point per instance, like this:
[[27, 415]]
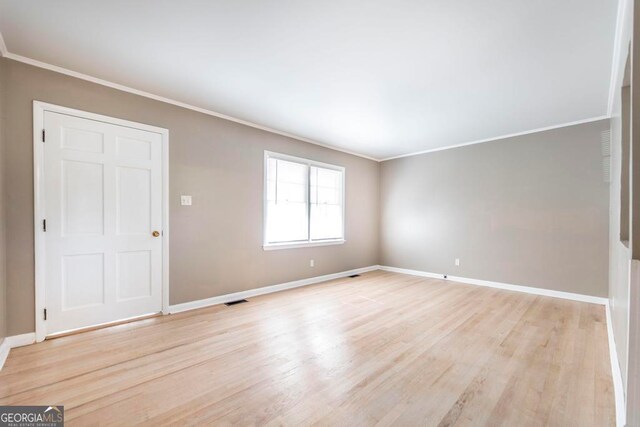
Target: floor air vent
[[240, 301], [354, 275]]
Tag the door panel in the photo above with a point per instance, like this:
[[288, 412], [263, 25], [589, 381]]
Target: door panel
[[82, 140], [134, 278], [133, 148], [82, 198], [133, 201], [103, 198], [82, 281]]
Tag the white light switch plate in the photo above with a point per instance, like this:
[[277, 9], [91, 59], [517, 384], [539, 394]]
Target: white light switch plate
[[185, 200]]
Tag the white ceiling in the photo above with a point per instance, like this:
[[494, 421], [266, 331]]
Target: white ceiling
[[380, 78]]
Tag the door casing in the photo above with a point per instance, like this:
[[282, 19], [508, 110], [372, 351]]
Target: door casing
[[39, 109]]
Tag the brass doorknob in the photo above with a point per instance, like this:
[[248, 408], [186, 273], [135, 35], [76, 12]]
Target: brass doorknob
[[155, 233]]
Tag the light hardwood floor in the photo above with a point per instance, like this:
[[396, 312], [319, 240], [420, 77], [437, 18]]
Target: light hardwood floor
[[381, 349]]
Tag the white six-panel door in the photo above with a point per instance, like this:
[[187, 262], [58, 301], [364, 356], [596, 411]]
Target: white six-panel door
[[103, 210]]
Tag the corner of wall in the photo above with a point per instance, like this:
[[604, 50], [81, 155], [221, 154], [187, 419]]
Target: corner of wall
[[379, 215], [3, 282]]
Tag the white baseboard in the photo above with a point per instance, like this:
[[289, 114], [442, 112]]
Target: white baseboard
[[507, 286], [21, 340], [616, 374], [4, 352], [411, 272], [14, 341], [192, 305]]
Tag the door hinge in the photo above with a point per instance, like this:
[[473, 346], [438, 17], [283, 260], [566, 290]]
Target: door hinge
[[45, 314], [43, 135], [44, 225]]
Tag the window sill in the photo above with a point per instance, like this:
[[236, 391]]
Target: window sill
[[276, 246]]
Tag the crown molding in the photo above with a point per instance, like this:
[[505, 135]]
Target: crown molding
[[5, 53], [497, 138], [3, 47], [617, 52], [123, 88]]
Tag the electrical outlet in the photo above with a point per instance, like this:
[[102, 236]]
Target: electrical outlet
[[185, 200], [312, 263], [457, 261]]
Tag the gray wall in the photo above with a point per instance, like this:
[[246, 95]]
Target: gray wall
[[216, 244], [530, 210]]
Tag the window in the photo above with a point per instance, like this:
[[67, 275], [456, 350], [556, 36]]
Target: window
[[304, 202]]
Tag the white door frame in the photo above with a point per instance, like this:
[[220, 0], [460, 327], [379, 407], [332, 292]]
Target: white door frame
[[39, 109]]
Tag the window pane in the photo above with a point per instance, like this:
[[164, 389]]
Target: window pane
[[286, 201], [326, 203], [271, 182]]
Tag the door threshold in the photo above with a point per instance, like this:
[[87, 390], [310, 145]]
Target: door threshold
[[102, 326]]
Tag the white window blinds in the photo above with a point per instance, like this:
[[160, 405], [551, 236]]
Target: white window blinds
[[304, 201]]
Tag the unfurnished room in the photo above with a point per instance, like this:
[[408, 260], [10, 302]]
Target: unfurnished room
[[296, 213]]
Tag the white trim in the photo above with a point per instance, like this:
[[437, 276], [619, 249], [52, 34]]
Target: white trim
[[21, 340], [165, 223], [411, 272], [617, 53], [123, 88], [496, 138], [295, 159], [632, 272], [616, 374], [105, 324], [3, 47], [4, 352], [39, 109], [309, 163], [311, 244], [44, 106], [192, 305], [12, 342], [39, 212], [506, 286], [631, 380]]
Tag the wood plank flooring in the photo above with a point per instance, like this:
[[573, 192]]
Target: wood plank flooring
[[380, 349]]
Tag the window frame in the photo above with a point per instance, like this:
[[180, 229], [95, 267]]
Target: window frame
[[309, 242]]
